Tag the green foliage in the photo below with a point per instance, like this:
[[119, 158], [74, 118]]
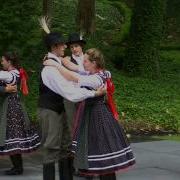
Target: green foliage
[[151, 104], [146, 138], [20, 31], [172, 31], [147, 104], [142, 57], [108, 17], [123, 30], [15, 31]]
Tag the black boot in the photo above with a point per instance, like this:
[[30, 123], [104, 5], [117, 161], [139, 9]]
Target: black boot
[[17, 165], [89, 178], [66, 169], [49, 171], [111, 176], [78, 174]]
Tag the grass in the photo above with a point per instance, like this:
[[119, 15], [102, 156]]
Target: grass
[[151, 105], [168, 137]]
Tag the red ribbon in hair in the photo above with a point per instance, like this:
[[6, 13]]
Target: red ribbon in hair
[[23, 84], [110, 100]]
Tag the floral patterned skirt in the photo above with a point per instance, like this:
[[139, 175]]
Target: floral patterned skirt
[[21, 136]]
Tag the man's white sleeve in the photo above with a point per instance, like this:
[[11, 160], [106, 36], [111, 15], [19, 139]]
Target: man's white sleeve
[[58, 84]]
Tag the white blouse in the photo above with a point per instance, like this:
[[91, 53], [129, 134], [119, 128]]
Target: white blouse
[[93, 81], [9, 77]]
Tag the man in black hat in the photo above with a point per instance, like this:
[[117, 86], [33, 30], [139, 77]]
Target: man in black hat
[[54, 88], [76, 45]]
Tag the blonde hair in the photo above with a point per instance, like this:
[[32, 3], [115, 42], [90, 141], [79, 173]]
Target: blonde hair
[[97, 56]]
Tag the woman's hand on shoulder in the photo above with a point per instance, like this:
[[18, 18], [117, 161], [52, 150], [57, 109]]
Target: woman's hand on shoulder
[[51, 63], [66, 60]]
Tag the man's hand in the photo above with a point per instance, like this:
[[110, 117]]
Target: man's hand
[[101, 91], [10, 88]]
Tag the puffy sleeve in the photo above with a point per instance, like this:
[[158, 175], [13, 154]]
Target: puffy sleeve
[[6, 76], [93, 81]]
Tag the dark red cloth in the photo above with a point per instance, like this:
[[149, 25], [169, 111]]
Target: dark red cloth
[[110, 100], [23, 83]]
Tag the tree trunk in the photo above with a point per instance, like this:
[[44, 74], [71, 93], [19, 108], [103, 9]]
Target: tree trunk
[[86, 16], [47, 9], [142, 56]]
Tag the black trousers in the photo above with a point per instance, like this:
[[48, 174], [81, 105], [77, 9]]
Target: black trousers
[[65, 170], [111, 176], [49, 171], [17, 161]]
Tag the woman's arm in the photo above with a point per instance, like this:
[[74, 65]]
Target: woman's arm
[[93, 81], [70, 65], [69, 75]]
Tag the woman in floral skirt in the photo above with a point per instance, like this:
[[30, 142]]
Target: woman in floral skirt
[[17, 135]]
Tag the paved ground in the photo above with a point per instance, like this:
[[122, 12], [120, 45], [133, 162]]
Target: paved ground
[[157, 160]]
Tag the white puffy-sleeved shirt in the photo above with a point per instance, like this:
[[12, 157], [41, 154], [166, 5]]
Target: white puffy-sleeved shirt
[[58, 84], [93, 81], [9, 77]]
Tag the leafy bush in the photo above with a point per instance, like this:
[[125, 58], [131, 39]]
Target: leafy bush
[[151, 105]]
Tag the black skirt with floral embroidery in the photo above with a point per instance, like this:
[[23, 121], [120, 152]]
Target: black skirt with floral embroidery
[[21, 135]]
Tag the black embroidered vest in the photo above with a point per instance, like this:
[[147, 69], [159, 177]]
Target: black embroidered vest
[[49, 99]]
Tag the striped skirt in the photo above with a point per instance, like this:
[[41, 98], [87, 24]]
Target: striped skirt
[[99, 143]]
